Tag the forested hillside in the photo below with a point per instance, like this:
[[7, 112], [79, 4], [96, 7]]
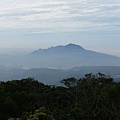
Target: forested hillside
[[88, 98]]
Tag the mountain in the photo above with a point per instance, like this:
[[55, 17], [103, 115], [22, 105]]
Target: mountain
[[62, 57], [54, 64], [69, 56], [59, 49], [54, 76]]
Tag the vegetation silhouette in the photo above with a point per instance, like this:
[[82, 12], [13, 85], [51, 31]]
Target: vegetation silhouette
[[88, 98]]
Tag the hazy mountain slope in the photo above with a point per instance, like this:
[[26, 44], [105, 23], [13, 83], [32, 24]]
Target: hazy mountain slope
[[54, 76], [69, 56], [62, 57]]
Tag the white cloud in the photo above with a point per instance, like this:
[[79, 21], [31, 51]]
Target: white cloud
[[59, 14]]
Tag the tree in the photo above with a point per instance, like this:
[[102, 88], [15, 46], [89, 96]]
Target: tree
[[69, 82], [40, 115]]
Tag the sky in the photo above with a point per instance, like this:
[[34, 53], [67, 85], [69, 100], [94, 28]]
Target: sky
[[33, 24]]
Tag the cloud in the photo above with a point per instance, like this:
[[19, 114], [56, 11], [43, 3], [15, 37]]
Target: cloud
[[59, 15]]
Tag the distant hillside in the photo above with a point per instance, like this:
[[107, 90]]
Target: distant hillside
[[62, 57], [70, 48], [54, 76], [70, 56]]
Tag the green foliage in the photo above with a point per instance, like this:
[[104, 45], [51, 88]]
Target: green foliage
[[40, 115], [69, 82], [76, 114], [88, 98]]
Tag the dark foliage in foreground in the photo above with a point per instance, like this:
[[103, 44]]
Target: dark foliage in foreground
[[88, 98]]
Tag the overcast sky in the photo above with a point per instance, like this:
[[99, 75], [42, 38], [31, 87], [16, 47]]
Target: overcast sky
[[93, 24]]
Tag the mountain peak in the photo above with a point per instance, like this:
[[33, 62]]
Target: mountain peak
[[74, 46], [69, 47]]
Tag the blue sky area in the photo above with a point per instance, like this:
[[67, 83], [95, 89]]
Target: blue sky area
[[33, 24]]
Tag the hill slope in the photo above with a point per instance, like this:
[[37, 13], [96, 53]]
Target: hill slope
[[69, 56], [63, 57]]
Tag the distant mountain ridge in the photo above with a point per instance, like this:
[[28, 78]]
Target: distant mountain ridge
[[56, 63], [70, 47], [72, 55], [54, 76], [63, 57]]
